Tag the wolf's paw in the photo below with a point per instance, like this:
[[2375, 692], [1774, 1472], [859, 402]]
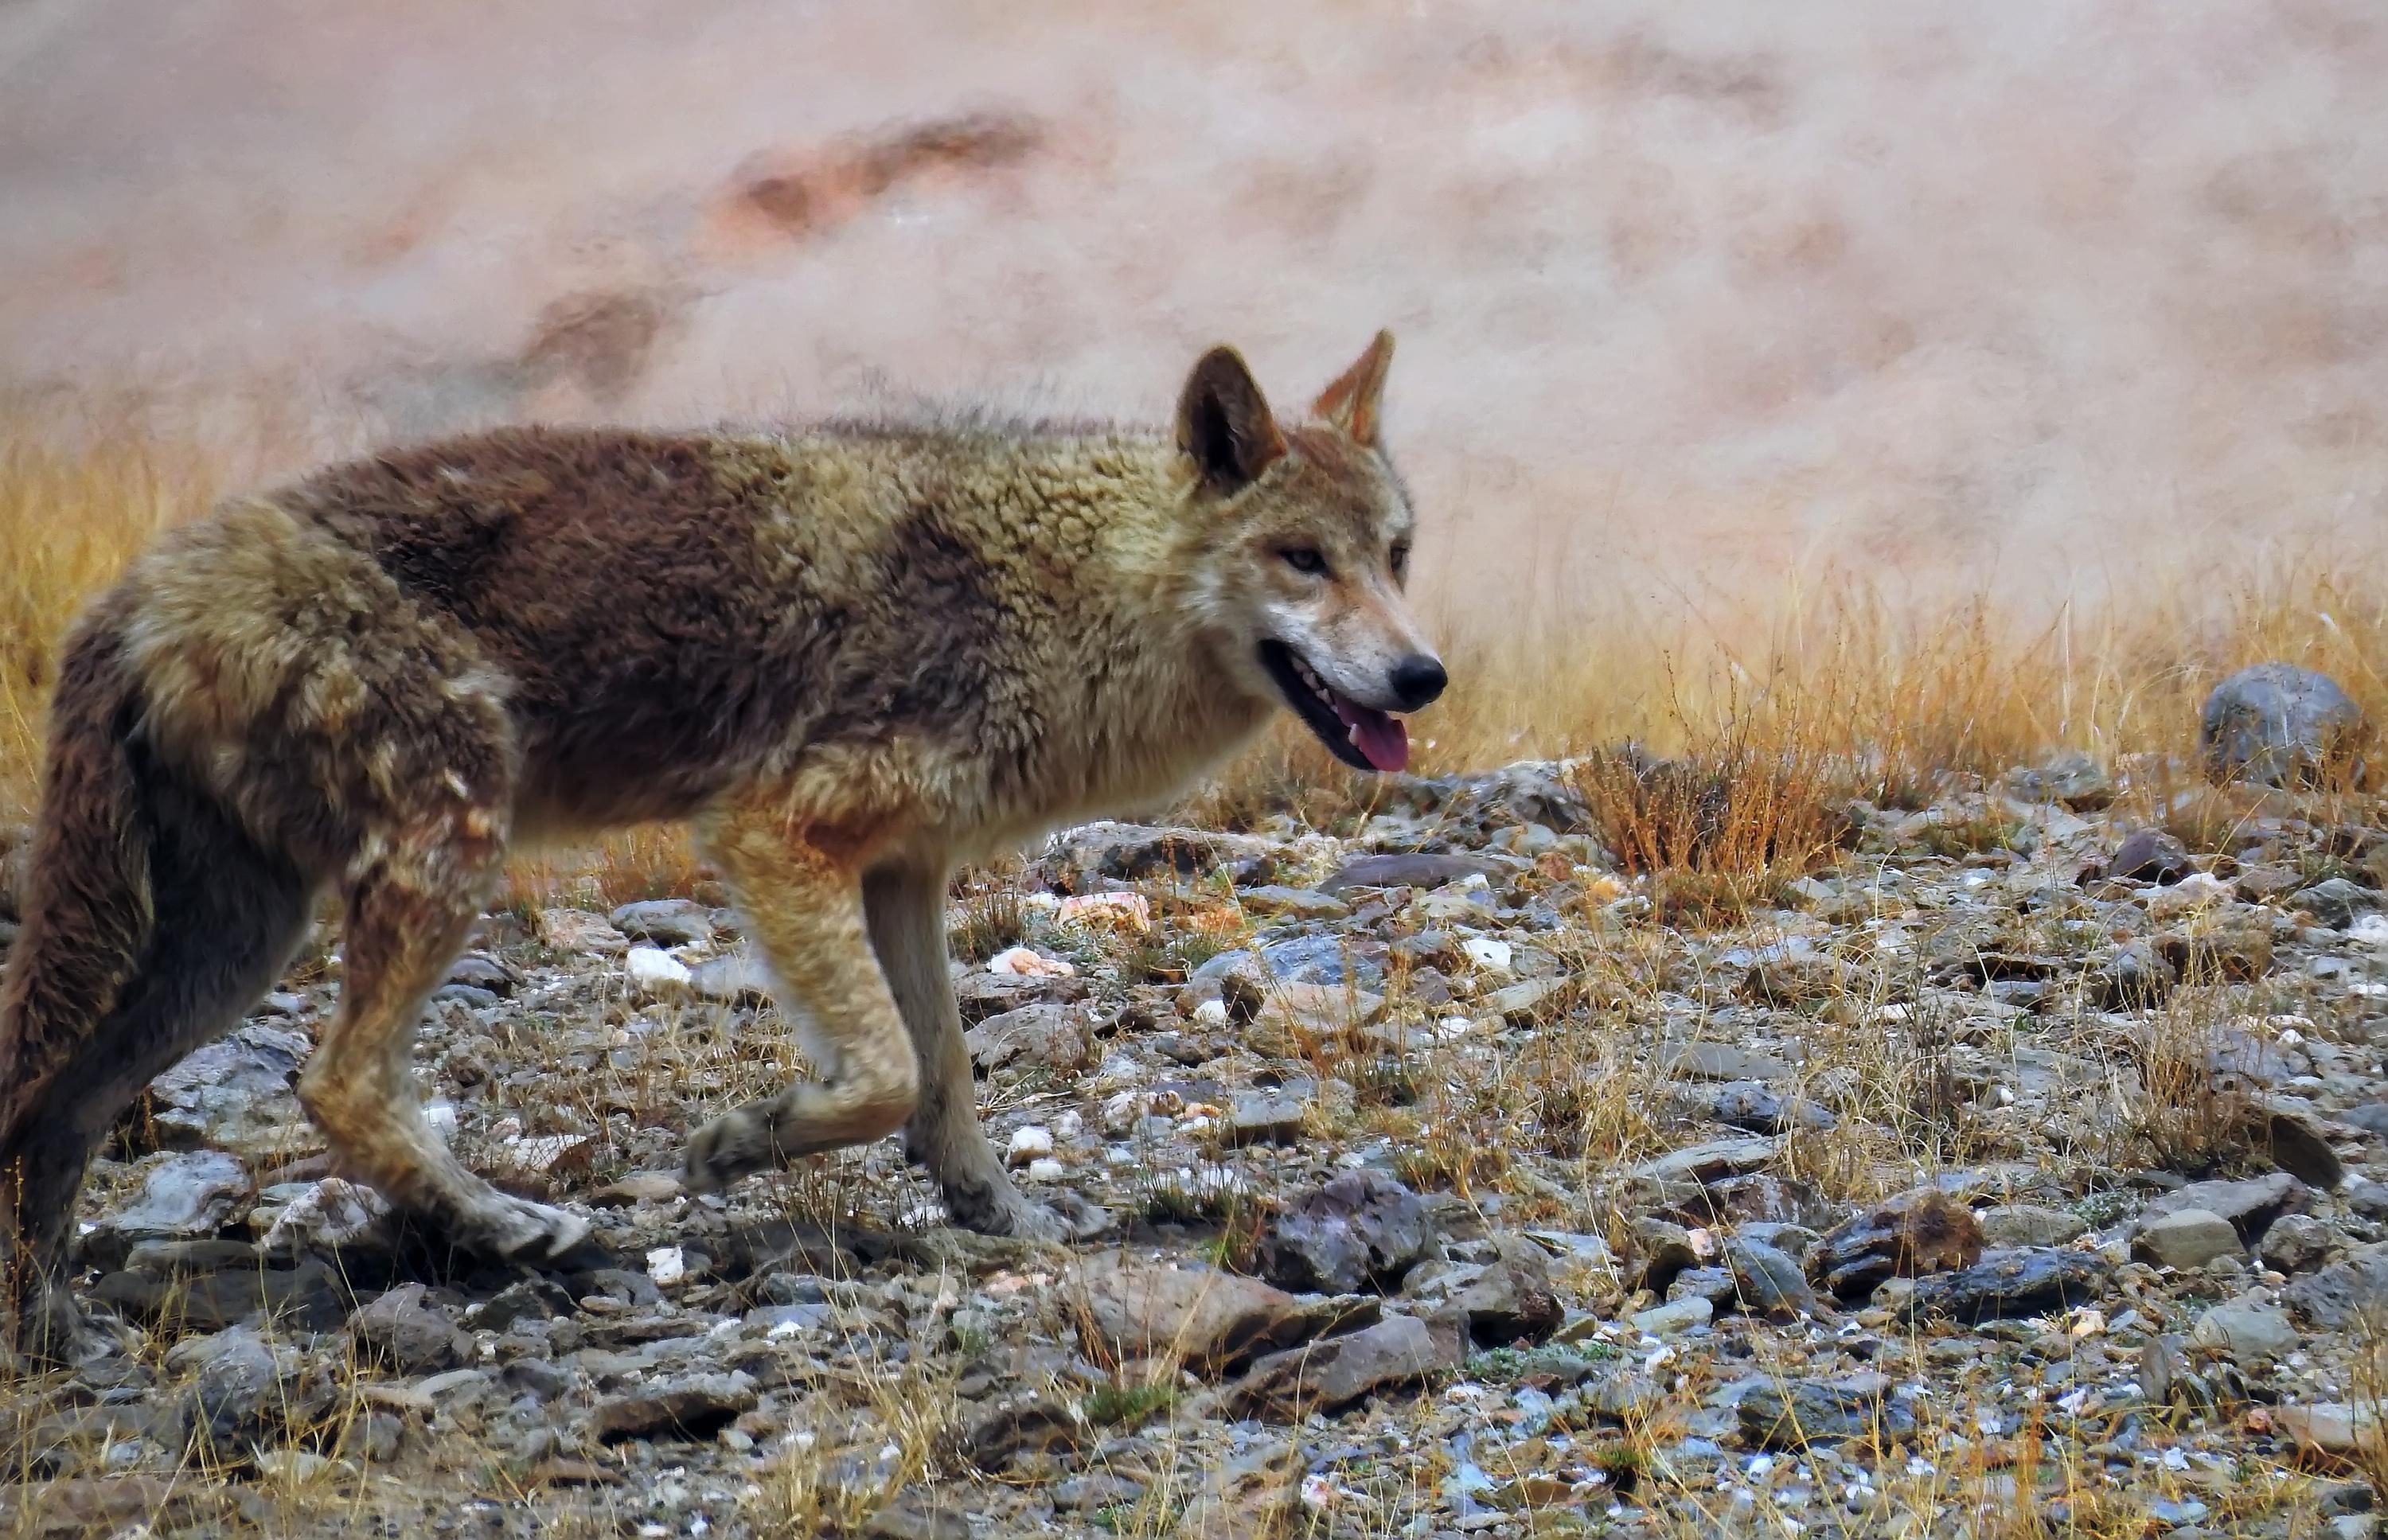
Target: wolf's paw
[[510, 1228], [737, 1144], [1068, 1218]]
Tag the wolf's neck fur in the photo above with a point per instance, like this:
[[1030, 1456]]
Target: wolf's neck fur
[[1096, 552]]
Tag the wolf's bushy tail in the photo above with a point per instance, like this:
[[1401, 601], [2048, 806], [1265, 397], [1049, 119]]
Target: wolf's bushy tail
[[85, 896]]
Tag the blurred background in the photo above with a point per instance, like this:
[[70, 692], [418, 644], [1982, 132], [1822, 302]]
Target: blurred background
[[1702, 311]]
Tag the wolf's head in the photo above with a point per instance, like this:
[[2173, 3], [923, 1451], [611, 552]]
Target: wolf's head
[[1308, 554]]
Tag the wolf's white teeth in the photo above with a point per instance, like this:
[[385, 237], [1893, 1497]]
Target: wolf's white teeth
[[1355, 734]]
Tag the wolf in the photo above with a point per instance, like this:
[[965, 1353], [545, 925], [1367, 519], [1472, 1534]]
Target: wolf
[[851, 655]]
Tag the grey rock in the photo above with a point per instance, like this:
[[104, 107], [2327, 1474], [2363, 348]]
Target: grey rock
[[2150, 854], [2248, 1328], [401, 1330], [2009, 1224], [1410, 871], [2340, 1294], [183, 1197], [1512, 1300], [1077, 860], [1808, 1412], [1301, 903], [1359, 1229], [692, 1408], [1769, 1281], [2184, 1238], [2297, 1243], [2005, 1284], [2252, 1204], [2072, 778], [1044, 1034], [664, 922], [1265, 1117], [234, 1094], [2336, 902], [2278, 724], [1327, 1376]]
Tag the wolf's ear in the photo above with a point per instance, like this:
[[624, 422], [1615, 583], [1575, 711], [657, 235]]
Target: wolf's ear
[[1224, 422], [1350, 402]]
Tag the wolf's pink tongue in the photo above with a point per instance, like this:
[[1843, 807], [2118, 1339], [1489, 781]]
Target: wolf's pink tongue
[[1381, 739]]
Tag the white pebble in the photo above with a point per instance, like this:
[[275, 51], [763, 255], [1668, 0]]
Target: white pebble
[[1046, 1169], [667, 1265], [657, 973], [1211, 1013], [1029, 1143], [1488, 951]]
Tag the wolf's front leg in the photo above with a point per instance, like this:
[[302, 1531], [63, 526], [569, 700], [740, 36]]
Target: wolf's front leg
[[906, 908], [803, 905]]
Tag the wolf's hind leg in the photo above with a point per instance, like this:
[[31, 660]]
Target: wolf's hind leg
[[805, 907], [906, 908], [408, 916], [228, 914]]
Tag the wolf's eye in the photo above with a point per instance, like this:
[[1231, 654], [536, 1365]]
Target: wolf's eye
[[1400, 560], [1302, 558]]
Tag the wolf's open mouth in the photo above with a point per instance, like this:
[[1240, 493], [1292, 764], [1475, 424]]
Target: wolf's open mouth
[[1361, 736]]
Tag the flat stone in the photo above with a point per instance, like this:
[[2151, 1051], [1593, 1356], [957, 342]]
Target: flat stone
[[2012, 1225], [2007, 1284], [2342, 1294], [183, 1197], [1201, 1316], [694, 1407], [2251, 1205], [664, 922], [1327, 1376], [2185, 1238], [1265, 1117], [1411, 871], [1806, 1412], [2249, 1330], [1301, 903]]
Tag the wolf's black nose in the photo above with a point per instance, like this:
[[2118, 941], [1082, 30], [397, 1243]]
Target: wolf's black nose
[[1417, 679]]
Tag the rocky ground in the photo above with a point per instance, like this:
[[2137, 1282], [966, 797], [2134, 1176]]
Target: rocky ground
[[2019, 1166]]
